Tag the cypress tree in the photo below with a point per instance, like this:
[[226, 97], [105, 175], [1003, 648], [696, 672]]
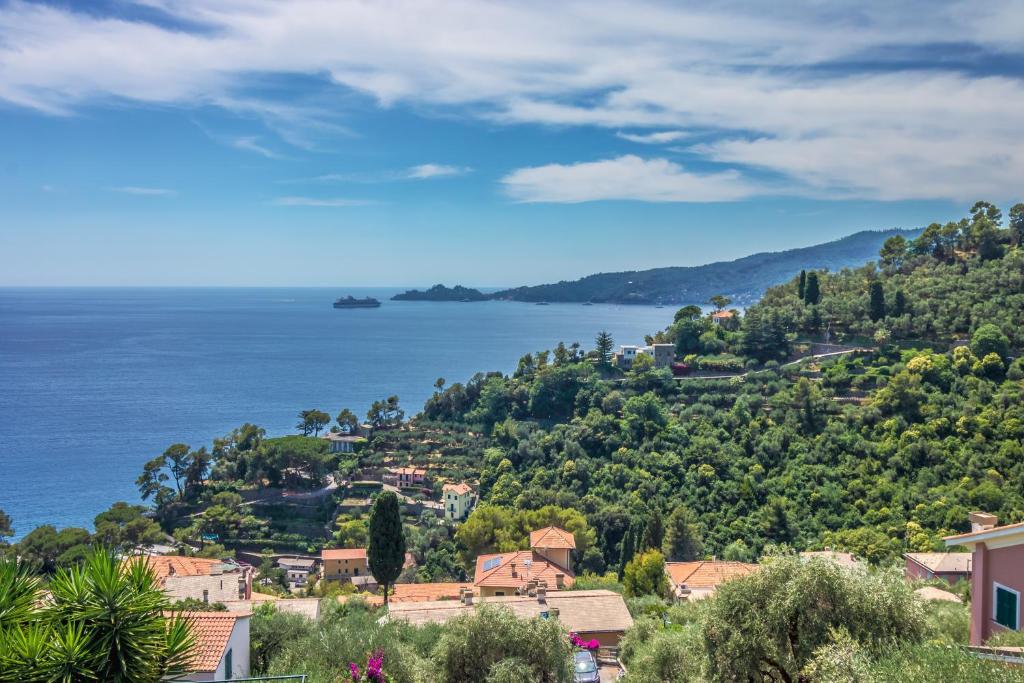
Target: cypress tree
[[812, 293], [628, 551], [801, 288], [654, 533], [899, 303], [386, 552], [876, 307]]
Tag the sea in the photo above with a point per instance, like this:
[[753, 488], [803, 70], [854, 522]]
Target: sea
[[94, 382]]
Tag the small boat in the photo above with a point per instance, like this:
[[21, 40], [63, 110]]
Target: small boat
[[542, 303], [587, 303], [351, 302]]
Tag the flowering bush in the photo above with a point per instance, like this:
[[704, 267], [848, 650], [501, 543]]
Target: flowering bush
[[374, 670], [591, 645]]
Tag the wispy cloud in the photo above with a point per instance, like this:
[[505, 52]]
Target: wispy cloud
[[250, 143], [660, 138], [421, 172], [841, 85], [331, 202], [145, 191], [627, 177], [425, 171]]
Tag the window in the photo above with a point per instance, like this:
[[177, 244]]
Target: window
[[1007, 607], [499, 594], [227, 665]]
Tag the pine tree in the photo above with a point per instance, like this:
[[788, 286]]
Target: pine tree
[[386, 553], [876, 307], [654, 533], [802, 287], [682, 536], [812, 292], [604, 345]]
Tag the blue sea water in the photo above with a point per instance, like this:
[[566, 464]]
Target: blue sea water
[[94, 382]]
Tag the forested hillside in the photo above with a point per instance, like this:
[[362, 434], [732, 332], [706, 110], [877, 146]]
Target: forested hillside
[[744, 279], [876, 452]]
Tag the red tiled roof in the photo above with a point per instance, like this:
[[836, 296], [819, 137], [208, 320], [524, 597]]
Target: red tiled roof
[[343, 554], [409, 470], [705, 574], [212, 631], [552, 537], [424, 592], [460, 489], [720, 315], [500, 574], [179, 565]]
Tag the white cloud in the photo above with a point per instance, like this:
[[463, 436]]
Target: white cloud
[[778, 87], [626, 177], [251, 143], [332, 202], [425, 171], [145, 191], [659, 138]]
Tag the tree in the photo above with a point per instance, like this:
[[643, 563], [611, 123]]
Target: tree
[[125, 527], [893, 252], [876, 305], [899, 303], [768, 625], [347, 421], [690, 312], [645, 575], [654, 532], [439, 384], [312, 421], [989, 339], [385, 413], [386, 552], [986, 210], [719, 301], [104, 621], [682, 536], [48, 548], [1017, 224], [6, 530], [801, 286], [604, 345], [812, 292]]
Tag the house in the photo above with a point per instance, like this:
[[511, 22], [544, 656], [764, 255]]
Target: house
[[201, 578], [296, 569], [458, 499], [222, 646], [341, 564], [662, 354], [997, 574], [722, 317], [406, 477], [950, 567], [547, 564], [342, 443], [697, 580], [594, 614], [845, 560]]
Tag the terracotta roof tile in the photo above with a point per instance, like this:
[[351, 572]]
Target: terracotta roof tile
[[343, 554], [706, 574], [424, 592], [958, 563], [179, 565], [552, 537], [459, 489], [496, 570], [212, 631]]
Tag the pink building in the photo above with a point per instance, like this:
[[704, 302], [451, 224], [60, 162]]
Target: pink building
[[997, 577], [950, 567]]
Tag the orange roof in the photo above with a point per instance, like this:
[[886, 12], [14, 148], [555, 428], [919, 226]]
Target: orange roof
[[459, 489], [212, 631], [496, 570], [409, 470], [179, 565], [719, 315], [552, 537], [704, 574], [343, 554], [424, 592]]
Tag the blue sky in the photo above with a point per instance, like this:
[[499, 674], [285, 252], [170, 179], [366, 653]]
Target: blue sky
[[221, 142]]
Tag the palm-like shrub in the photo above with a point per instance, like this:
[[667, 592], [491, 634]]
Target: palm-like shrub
[[103, 621]]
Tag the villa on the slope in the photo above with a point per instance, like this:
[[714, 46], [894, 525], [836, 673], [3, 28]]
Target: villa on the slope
[[547, 563], [663, 355], [458, 501], [200, 578]]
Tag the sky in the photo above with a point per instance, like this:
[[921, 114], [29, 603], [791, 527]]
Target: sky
[[409, 142]]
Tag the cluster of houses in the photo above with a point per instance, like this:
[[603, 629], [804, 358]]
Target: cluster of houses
[[536, 583]]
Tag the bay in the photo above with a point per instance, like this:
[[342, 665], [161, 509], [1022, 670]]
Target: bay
[[95, 381]]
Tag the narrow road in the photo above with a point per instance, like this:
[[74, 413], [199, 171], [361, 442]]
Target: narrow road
[[791, 363]]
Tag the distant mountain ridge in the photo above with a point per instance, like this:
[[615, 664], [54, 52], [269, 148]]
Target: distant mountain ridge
[[442, 293], [744, 280]]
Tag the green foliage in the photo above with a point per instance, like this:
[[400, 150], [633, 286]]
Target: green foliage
[[125, 527], [6, 530], [603, 346], [645, 575], [771, 624], [312, 421], [812, 291], [474, 646], [989, 339], [491, 528], [682, 536], [386, 551], [47, 548]]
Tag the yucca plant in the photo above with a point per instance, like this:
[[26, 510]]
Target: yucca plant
[[105, 620]]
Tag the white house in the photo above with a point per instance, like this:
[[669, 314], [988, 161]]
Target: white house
[[296, 569], [662, 354], [458, 499], [342, 443], [222, 645]]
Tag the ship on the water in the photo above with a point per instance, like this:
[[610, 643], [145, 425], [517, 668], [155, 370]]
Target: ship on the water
[[351, 302]]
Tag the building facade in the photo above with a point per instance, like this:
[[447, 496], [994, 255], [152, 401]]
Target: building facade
[[662, 354], [950, 567], [341, 564], [222, 646], [458, 500]]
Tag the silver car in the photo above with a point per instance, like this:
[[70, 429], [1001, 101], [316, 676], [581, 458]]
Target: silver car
[[586, 668]]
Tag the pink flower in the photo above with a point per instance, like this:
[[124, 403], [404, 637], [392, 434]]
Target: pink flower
[[374, 667], [354, 671]]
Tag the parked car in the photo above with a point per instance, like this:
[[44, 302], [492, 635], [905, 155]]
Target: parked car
[[586, 668]]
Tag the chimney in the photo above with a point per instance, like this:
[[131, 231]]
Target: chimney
[[170, 569], [553, 612], [542, 594], [467, 598], [559, 581], [982, 521]]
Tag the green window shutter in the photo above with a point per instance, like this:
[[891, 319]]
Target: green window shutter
[[1006, 608], [227, 666]]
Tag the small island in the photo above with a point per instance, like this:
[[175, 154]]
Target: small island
[[442, 293]]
